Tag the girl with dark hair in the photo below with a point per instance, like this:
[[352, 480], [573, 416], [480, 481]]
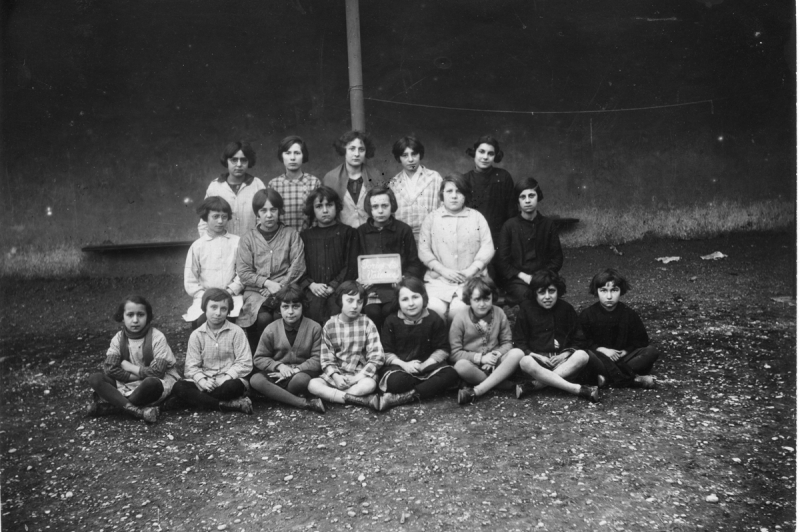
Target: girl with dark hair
[[492, 187], [354, 176], [528, 243], [416, 187], [416, 348], [236, 186], [139, 371], [269, 257], [294, 185], [455, 244], [331, 252]]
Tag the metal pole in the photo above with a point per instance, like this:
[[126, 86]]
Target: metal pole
[[354, 66]]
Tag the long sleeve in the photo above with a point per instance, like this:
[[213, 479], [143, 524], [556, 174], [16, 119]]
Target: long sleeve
[[348, 272], [520, 333], [388, 342], [375, 357], [585, 321], [425, 250], [243, 359], [504, 337], [246, 262], [486, 251], [413, 265], [191, 274], [458, 342], [555, 255], [327, 354], [297, 259], [113, 363], [505, 265], [193, 366], [263, 357], [637, 333], [162, 358], [313, 362], [439, 341]]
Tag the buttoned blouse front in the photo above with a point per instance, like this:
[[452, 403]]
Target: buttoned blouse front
[[415, 203], [456, 240], [241, 203]]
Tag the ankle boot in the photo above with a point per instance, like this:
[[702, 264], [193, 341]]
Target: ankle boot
[[370, 401], [388, 400], [315, 405], [242, 404], [590, 392], [524, 389], [645, 381]]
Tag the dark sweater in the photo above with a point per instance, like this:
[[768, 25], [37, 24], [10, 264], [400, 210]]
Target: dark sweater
[[331, 254], [394, 237], [528, 246], [414, 342], [536, 328], [620, 329], [493, 196]]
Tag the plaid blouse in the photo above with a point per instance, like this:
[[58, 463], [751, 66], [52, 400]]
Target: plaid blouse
[[294, 193], [350, 348], [414, 205], [213, 354]]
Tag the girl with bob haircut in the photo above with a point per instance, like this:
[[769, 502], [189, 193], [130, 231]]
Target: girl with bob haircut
[[493, 187], [455, 245], [354, 176], [528, 243], [236, 186], [480, 342], [383, 233], [218, 360], [618, 345], [139, 371], [270, 256], [416, 348], [548, 333], [287, 356], [331, 253], [294, 185], [416, 187]]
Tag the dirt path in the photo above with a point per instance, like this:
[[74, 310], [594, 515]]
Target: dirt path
[[721, 425]]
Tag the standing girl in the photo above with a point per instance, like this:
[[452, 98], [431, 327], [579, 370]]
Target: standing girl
[[294, 185], [416, 349], [353, 177], [416, 187], [236, 186], [270, 256], [139, 370], [492, 188]]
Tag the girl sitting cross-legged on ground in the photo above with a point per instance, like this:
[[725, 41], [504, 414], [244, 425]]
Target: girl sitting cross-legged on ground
[[416, 348], [480, 342], [548, 333], [287, 356], [217, 360], [351, 353], [139, 370], [619, 348]]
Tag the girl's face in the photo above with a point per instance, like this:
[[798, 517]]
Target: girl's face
[[134, 317], [324, 212], [291, 312], [528, 201], [351, 306], [355, 153], [547, 297], [268, 217], [237, 165], [217, 220], [480, 304], [453, 198], [293, 158], [381, 209], [609, 295], [411, 303], [484, 156], [216, 313], [410, 161]]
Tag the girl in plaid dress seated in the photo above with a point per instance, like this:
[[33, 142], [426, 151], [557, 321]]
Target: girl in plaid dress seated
[[351, 353], [139, 370], [217, 360], [294, 185]]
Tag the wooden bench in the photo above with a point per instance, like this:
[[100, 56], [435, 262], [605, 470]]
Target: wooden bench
[[111, 247]]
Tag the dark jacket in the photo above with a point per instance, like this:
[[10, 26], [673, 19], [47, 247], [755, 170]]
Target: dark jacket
[[528, 246]]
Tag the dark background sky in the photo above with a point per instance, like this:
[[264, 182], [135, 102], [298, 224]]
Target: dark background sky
[[94, 89]]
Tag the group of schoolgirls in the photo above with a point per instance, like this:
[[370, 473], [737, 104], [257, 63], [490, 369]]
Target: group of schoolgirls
[[278, 308]]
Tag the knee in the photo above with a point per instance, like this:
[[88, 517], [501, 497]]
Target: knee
[[528, 365], [367, 385], [182, 387], [96, 380], [580, 358], [463, 366], [516, 355], [299, 384], [258, 379], [316, 385]]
